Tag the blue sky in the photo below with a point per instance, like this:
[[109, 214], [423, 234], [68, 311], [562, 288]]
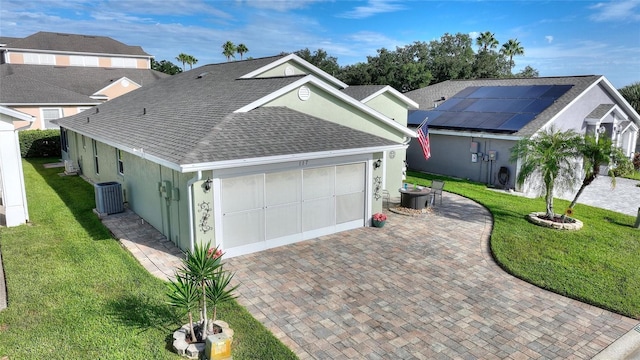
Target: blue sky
[[559, 37]]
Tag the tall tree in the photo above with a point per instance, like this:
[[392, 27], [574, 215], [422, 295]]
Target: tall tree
[[551, 154], [183, 58], [228, 49], [321, 59], [631, 93], [451, 57], [512, 48], [487, 41], [242, 49], [527, 72], [191, 60], [490, 64], [165, 66]]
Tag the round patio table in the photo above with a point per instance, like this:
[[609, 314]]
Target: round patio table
[[414, 198]]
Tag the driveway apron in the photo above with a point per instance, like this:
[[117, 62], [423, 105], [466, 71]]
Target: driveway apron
[[423, 287]]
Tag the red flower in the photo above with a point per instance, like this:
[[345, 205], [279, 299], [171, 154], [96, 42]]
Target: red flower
[[379, 217], [214, 253]]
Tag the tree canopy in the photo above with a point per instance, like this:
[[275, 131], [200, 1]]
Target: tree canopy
[[165, 66], [228, 50]]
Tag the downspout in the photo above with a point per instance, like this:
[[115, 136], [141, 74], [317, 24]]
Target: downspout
[[190, 183]]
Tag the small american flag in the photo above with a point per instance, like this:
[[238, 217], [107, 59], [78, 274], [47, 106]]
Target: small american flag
[[423, 138]]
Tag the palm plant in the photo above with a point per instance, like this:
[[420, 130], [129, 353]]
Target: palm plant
[[228, 49], [191, 60], [596, 153], [242, 49], [487, 41], [550, 154], [218, 291], [199, 268], [185, 295], [184, 59], [512, 48]]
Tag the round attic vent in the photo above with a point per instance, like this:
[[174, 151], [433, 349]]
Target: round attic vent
[[304, 93], [288, 71]]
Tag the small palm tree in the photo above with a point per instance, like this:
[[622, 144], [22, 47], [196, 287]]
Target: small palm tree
[[487, 41], [596, 153], [242, 49], [185, 295], [550, 153], [184, 59], [512, 48], [228, 49]]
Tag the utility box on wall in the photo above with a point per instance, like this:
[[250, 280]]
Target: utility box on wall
[[108, 196]]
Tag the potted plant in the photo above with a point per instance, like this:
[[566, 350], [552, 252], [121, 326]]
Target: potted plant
[[200, 281], [379, 219]]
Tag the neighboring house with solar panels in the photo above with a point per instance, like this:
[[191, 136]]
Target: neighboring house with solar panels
[[473, 124], [247, 155], [51, 75]]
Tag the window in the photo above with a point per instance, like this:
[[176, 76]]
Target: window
[[39, 59], [120, 162], [124, 63], [95, 156], [64, 142], [51, 114], [76, 60]]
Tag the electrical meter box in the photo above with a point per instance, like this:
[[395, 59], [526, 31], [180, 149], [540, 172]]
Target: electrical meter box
[[474, 147], [493, 155]]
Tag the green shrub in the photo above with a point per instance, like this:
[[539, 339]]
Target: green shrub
[[39, 143], [636, 161]]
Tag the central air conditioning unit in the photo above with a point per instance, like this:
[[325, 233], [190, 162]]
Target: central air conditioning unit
[[108, 197], [69, 168]]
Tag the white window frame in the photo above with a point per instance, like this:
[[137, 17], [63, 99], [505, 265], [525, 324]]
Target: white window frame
[[39, 59], [46, 122], [120, 162], [96, 162]]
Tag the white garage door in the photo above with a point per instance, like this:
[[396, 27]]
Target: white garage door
[[267, 210]]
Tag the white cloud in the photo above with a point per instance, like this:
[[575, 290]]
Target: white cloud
[[628, 10], [373, 7], [549, 38], [474, 35]]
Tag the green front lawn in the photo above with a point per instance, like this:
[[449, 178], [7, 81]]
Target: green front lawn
[[599, 264], [75, 293]]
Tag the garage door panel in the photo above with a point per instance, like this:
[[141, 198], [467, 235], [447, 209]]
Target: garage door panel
[[350, 178], [349, 207], [243, 228], [283, 187], [242, 193], [283, 221], [318, 183], [318, 213]]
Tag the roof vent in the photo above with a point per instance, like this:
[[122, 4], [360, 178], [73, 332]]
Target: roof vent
[[200, 76], [288, 71]]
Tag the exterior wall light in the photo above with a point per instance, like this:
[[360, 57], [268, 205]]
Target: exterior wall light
[[207, 185], [377, 163]]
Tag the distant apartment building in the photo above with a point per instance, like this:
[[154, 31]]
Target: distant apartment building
[[52, 75]]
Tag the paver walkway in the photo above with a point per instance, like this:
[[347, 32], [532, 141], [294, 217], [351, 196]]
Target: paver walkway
[[422, 287]]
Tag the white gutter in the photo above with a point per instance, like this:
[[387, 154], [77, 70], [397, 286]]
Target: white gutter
[[474, 134], [285, 158], [50, 104], [190, 183]]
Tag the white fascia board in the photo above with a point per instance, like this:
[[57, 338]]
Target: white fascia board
[[621, 100], [411, 104], [51, 104], [62, 52], [18, 115], [482, 135], [98, 94], [188, 168], [333, 91], [300, 61], [134, 151]]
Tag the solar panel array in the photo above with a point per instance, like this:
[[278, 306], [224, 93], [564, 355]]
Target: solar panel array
[[491, 108]]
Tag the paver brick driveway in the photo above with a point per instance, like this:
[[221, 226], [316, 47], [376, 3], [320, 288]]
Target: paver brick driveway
[[422, 287]]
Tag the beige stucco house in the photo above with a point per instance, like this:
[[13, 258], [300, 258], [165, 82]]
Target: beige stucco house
[[247, 155], [50, 75]]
